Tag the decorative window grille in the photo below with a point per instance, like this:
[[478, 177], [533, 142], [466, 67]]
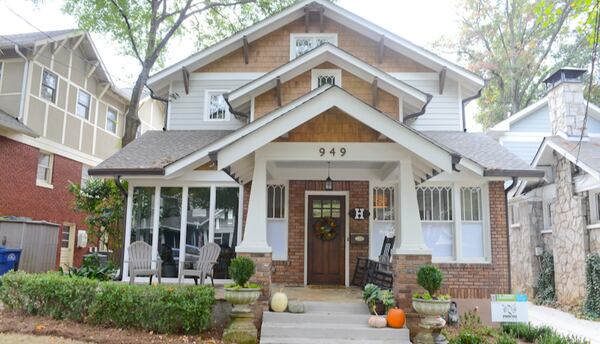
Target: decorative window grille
[[303, 43], [383, 203], [321, 77], [471, 203], [435, 209], [325, 79], [276, 201], [217, 109]]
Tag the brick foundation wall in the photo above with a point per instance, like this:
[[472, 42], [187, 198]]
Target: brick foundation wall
[[20, 196], [480, 280], [291, 272]]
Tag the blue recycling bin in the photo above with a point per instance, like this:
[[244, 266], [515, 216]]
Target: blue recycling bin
[[9, 259]]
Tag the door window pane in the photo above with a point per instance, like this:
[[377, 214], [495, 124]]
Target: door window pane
[[197, 223], [169, 230], [142, 214], [226, 224]]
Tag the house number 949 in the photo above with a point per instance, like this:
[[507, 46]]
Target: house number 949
[[332, 151]]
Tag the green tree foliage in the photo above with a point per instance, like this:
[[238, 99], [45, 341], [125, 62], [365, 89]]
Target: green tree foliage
[[545, 282], [592, 286], [102, 203], [515, 45], [144, 28]]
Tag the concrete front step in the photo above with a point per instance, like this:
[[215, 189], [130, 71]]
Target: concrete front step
[[332, 330], [335, 307], [319, 318], [286, 340]]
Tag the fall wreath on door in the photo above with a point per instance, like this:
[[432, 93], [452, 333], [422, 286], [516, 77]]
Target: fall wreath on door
[[325, 228]]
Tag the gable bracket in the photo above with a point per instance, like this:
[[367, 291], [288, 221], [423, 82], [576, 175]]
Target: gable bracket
[[38, 51], [381, 48], [57, 46], [105, 88], [246, 48], [78, 42], [186, 80], [92, 69], [375, 93], [278, 91], [442, 79]]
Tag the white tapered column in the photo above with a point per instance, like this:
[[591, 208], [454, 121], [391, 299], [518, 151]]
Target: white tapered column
[[409, 230], [255, 233]]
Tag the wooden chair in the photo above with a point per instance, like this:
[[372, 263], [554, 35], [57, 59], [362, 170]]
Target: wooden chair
[[140, 262], [203, 265], [379, 271]]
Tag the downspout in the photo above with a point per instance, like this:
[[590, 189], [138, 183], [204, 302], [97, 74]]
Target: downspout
[[164, 100], [119, 185], [420, 112], [464, 103], [23, 84], [508, 189]]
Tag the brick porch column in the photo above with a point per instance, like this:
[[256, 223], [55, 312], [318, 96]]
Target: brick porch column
[[405, 267], [264, 264]]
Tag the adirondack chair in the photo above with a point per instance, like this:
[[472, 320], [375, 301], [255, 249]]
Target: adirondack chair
[[140, 262], [203, 265], [379, 271]]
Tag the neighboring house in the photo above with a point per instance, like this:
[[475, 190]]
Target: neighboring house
[[60, 114], [309, 117], [560, 213]]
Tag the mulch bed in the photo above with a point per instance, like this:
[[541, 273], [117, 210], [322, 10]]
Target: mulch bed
[[15, 322]]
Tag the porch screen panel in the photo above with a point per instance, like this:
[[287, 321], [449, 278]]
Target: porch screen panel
[[472, 242], [142, 214], [435, 210], [277, 221], [226, 224], [169, 229], [384, 218], [197, 226]]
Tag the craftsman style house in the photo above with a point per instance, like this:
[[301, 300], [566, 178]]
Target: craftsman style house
[[560, 213], [60, 114], [306, 139]]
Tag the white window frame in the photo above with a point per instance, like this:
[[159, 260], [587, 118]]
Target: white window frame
[[285, 217], [116, 121], [207, 95], [316, 73], [547, 216], [55, 94], [514, 215], [375, 251], [295, 36], [89, 105], [451, 221], [594, 203], [47, 182], [457, 224]]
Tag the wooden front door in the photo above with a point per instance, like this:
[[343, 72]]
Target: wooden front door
[[326, 252]]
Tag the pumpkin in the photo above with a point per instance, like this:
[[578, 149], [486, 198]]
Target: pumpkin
[[376, 321], [279, 302], [396, 318]]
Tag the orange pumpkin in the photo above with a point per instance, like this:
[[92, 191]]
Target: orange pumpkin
[[396, 318]]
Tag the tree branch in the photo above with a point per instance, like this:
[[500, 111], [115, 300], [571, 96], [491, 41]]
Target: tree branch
[[129, 31]]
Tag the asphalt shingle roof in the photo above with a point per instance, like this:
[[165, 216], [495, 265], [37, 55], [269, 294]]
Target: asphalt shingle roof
[[30, 38], [9, 122], [588, 153], [155, 150]]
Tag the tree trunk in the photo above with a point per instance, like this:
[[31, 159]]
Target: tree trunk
[[132, 119]]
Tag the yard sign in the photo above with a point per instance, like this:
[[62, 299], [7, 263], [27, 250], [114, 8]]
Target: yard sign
[[509, 308]]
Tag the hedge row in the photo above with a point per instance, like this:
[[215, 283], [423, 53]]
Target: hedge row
[[162, 309]]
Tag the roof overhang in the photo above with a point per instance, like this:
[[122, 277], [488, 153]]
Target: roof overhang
[[10, 123], [328, 53], [337, 13], [544, 156], [505, 124]]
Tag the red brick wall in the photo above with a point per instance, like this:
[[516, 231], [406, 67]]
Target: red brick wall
[[292, 271], [481, 280], [19, 196]]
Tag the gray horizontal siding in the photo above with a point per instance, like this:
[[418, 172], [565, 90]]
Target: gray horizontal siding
[[536, 122], [443, 112], [187, 111], [523, 149], [593, 125]]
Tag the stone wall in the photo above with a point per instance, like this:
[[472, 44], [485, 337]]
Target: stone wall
[[524, 237], [567, 109], [569, 237]]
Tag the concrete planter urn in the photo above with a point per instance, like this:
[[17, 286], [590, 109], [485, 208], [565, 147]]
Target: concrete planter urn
[[242, 298], [433, 322]]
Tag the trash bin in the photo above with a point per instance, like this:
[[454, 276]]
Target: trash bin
[[9, 259]]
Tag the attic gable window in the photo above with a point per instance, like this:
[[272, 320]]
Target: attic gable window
[[320, 77], [216, 106], [301, 43]]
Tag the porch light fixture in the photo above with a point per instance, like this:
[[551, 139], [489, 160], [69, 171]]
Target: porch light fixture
[[328, 181]]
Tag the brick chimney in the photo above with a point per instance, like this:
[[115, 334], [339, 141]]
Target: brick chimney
[[566, 103]]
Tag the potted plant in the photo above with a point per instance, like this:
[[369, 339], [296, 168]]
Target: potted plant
[[429, 303], [169, 268], [241, 293], [371, 297]]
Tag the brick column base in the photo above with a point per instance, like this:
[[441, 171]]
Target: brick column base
[[405, 268], [264, 264]]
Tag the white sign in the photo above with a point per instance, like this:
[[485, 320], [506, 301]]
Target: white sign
[[509, 308], [359, 213]]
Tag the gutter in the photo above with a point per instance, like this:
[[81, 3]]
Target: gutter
[[420, 112], [153, 171], [464, 103], [506, 191], [513, 173], [23, 84]]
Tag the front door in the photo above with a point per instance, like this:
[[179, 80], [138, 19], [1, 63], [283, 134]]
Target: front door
[[326, 232], [67, 244]]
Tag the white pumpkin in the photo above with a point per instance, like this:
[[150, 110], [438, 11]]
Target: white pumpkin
[[279, 302], [377, 321]]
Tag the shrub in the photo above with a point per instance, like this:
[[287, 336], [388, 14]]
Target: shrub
[[241, 269], [154, 308], [430, 278], [504, 338], [467, 337], [539, 334], [92, 268], [545, 281], [592, 285]]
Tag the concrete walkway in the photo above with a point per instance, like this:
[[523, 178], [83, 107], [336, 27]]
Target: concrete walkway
[[565, 323]]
